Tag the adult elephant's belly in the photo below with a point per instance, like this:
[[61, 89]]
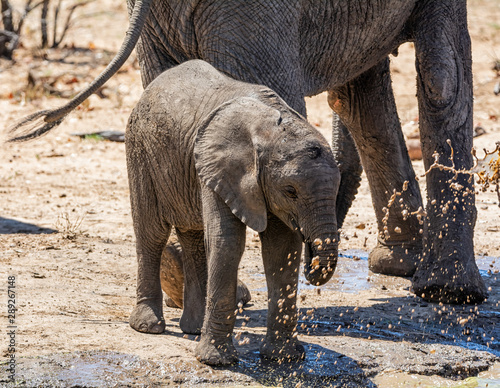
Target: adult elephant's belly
[[340, 42]]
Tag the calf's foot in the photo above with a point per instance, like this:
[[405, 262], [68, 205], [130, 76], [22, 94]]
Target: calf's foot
[[191, 321], [147, 318], [216, 352], [169, 302]]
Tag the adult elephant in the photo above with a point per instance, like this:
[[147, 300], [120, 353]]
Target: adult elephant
[[302, 48]]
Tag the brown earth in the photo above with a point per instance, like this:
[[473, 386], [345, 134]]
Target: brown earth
[[66, 236]]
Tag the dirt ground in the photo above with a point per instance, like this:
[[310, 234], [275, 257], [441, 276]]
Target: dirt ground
[[66, 236]]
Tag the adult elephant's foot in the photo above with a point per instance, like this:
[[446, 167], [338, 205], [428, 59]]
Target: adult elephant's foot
[[448, 272], [282, 348], [397, 260], [169, 302], [242, 293], [147, 319], [216, 352], [449, 280]]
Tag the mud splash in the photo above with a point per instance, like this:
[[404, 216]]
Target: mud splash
[[102, 369], [110, 369], [393, 340], [352, 275]]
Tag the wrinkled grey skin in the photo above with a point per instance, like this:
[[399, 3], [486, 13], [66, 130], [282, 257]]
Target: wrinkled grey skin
[[303, 47], [209, 156]]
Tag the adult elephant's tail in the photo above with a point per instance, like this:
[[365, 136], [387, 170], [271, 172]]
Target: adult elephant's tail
[[43, 121]]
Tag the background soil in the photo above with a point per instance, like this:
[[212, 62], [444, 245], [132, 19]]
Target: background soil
[[66, 235]]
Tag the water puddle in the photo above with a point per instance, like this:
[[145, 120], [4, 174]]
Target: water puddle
[[321, 368], [488, 266], [399, 379], [352, 275]]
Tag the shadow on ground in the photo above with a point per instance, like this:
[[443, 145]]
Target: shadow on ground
[[11, 226]]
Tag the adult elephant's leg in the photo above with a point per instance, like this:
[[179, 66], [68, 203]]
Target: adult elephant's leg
[[347, 158], [172, 276], [366, 106], [195, 279], [281, 250], [225, 243], [448, 271], [151, 236]]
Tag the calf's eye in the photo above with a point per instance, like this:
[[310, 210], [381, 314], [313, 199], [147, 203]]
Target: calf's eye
[[290, 192]]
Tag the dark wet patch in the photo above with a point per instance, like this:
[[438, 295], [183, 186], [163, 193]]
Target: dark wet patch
[[322, 367], [111, 369]]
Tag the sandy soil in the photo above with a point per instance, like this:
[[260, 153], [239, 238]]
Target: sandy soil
[[66, 236]]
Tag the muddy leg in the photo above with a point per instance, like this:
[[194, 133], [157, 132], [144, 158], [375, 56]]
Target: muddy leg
[[281, 250], [225, 243], [366, 106], [151, 235], [195, 279], [448, 272]]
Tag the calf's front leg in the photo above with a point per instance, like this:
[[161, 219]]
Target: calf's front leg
[[225, 243], [281, 250]]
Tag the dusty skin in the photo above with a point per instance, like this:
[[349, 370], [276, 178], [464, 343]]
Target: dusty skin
[[66, 235]]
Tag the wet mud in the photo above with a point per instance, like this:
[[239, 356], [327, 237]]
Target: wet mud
[[387, 332]]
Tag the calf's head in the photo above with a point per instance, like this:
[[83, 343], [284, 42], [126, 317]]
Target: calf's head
[[260, 156]]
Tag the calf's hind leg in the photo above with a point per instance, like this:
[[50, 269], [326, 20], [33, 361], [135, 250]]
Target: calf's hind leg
[[151, 235]]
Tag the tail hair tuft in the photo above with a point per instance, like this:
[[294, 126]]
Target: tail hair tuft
[[32, 126]]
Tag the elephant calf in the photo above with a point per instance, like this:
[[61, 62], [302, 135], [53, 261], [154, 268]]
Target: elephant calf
[[210, 155]]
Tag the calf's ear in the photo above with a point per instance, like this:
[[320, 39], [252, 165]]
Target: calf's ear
[[226, 156]]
